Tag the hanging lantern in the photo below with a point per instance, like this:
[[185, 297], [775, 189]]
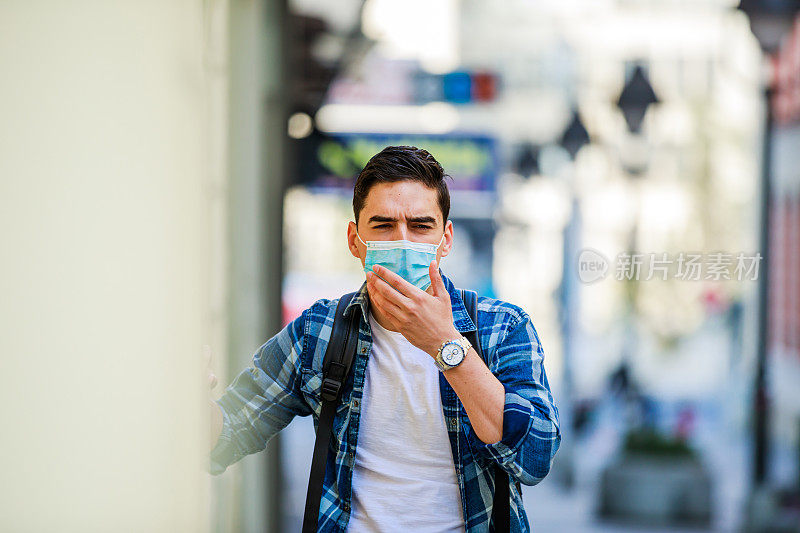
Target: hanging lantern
[[575, 136], [635, 98]]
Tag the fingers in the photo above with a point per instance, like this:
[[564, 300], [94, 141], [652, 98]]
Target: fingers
[[378, 298], [393, 280], [436, 279], [380, 284], [382, 292], [212, 378]]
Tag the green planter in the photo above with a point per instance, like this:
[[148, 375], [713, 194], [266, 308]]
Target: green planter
[[656, 481]]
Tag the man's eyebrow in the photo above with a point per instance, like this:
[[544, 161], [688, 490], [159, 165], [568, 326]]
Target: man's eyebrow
[[418, 220], [381, 218]]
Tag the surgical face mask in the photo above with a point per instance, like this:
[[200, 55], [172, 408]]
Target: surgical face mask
[[409, 260]]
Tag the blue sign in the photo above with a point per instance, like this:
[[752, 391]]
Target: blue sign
[[457, 87]]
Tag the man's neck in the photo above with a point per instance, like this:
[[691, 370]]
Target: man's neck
[[379, 317]]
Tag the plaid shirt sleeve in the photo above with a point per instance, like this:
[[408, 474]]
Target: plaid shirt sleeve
[[531, 434], [262, 399]]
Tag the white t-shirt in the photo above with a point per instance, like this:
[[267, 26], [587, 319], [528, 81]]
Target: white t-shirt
[[403, 477]]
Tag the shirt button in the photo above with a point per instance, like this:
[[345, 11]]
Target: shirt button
[[347, 507], [364, 349], [355, 403]]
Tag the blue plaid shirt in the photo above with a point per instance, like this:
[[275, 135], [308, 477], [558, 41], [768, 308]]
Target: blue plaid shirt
[[285, 382]]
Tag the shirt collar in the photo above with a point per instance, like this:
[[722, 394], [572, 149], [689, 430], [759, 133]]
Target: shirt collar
[[461, 318]]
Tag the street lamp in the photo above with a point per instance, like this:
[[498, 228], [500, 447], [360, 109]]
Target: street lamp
[[635, 98], [572, 140], [770, 20]]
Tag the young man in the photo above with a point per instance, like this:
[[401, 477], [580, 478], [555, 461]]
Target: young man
[[422, 422]]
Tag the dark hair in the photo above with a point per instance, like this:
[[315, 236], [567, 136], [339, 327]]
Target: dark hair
[[397, 163]]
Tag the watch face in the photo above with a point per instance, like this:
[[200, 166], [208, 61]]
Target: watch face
[[452, 354]]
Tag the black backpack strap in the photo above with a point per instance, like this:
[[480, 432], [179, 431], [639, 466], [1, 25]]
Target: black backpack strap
[[501, 508], [335, 368]]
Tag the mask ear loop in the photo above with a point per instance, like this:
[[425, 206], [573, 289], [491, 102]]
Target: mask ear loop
[[437, 248], [362, 242]]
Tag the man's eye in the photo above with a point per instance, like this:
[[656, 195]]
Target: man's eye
[[382, 226], [423, 226]]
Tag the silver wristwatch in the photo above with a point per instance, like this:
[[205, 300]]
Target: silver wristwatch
[[452, 353]]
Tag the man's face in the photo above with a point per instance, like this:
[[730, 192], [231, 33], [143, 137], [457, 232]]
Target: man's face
[[401, 210]]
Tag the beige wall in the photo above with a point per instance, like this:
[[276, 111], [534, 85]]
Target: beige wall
[[106, 279]]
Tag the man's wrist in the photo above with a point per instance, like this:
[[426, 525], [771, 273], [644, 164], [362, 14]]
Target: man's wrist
[[443, 338]]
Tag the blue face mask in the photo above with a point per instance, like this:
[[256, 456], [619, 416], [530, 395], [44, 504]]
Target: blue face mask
[[409, 260]]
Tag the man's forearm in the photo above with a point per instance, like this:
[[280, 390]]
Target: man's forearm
[[482, 395], [215, 424]]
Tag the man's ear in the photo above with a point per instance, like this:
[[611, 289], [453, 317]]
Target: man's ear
[[352, 240], [448, 238]]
